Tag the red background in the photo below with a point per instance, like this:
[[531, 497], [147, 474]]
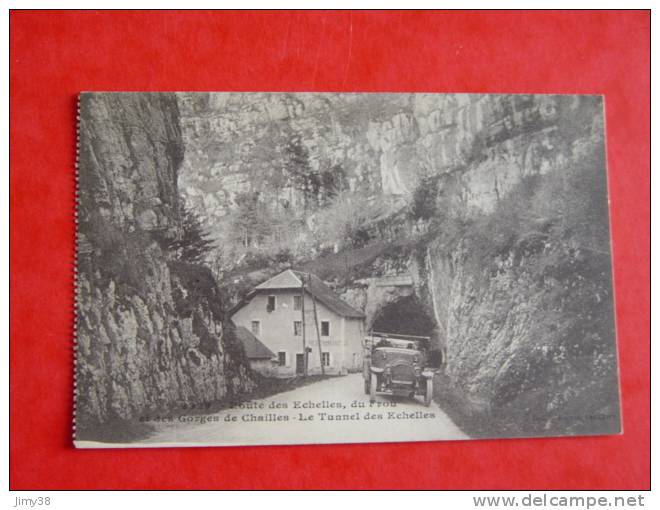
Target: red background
[[54, 55]]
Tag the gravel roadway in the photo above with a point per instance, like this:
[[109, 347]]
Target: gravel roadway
[[333, 410]]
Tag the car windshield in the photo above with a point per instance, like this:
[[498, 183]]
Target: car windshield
[[397, 343]]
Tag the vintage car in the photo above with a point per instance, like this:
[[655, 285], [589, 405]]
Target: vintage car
[[398, 365]]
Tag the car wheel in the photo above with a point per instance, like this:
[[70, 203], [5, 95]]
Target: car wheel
[[373, 384], [428, 396]]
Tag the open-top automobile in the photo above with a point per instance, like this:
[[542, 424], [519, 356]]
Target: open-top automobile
[[398, 365]]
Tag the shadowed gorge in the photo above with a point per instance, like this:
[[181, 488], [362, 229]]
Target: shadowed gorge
[[481, 218], [151, 332], [479, 221]]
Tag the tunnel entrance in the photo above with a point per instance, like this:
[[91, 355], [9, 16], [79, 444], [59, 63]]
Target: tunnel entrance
[[405, 316]]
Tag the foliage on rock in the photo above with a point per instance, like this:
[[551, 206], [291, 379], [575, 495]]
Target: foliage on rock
[[151, 335], [529, 322], [194, 244]]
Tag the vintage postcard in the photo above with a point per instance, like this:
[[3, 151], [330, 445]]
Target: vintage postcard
[[291, 268]]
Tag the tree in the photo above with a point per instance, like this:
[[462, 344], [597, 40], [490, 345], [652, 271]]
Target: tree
[[347, 219], [217, 261], [195, 243], [424, 199], [298, 168], [248, 222]]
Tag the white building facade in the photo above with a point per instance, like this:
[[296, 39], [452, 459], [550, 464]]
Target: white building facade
[[331, 330]]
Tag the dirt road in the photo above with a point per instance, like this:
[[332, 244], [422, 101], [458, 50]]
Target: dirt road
[[330, 411]]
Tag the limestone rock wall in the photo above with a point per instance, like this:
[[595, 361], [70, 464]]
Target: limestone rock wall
[[495, 205], [528, 353], [513, 267], [150, 331], [383, 144], [522, 295]]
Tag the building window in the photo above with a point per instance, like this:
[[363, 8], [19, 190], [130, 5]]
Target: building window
[[281, 358], [256, 328], [297, 328], [325, 359], [297, 302], [325, 328], [271, 304]]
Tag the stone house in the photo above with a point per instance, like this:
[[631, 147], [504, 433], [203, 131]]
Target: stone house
[[283, 312]]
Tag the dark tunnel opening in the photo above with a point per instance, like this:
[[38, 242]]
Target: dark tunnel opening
[[406, 316]]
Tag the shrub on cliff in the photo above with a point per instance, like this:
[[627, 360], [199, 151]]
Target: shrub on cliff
[[424, 199], [348, 220], [194, 245]]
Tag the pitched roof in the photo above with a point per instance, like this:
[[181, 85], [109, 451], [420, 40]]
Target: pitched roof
[[285, 280], [326, 295], [290, 279], [254, 348]]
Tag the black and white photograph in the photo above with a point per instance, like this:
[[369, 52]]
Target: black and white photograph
[[305, 268]]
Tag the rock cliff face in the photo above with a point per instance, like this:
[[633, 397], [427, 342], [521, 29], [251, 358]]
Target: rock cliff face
[[516, 266], [382, 144], [495, 208], [293, 154], [150, 331]]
